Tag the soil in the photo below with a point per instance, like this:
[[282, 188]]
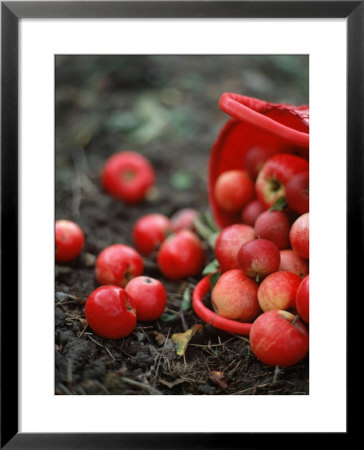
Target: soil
[[166, 108]]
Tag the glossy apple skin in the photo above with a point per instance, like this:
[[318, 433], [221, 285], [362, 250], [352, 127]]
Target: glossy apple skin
[[292, 262], [274, 175], [118, 264], [299, 236], [233, 189], [303, 299], [228, 243], [297, 192], [276, 341], [150, 231], [259, 258], [149, 297], [128, 176], [69, 240], [235, 296], [251, 211], [274, 226], [255, 159], [278, 291], [181, 255], [183, 219], [110, 312]]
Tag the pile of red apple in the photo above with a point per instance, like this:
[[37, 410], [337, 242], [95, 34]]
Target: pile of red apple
[[262, 262]]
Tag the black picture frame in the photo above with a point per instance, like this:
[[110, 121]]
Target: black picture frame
[[11, 13]]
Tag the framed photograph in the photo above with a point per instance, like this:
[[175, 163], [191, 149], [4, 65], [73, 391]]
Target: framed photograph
[[119, 122]]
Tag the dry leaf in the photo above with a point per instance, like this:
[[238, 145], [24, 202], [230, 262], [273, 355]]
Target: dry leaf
[[218, 378], [181, 340], [159, 338], [170, 384]]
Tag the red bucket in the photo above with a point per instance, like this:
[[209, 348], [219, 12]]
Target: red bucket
[[255, 123]]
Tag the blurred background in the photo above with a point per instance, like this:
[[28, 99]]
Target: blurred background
[[163, 106]]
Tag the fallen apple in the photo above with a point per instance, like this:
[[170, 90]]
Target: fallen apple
[[279, 338]]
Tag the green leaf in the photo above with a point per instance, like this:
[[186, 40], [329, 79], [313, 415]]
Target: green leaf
[[214, 278], [211, 267], [210, 221], [186, 300], [182, 180], [212, 239], [205, 232], [280, 204], [167, 317]]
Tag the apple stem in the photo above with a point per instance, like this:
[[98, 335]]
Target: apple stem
[[296, 317], [257, 278]]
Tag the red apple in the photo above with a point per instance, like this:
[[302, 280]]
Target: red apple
[[299, 236], [149, 232], [184, 219], [69, 239], [128, 176], [297, 192], [302, 299], [278, 338], [228, 243], [235, 296], [255, 159], [110, 312], [149, 297], [274, 226], [291, 262], [118, 264], [278, 291], [258, 258], [251, 211], [274, 175], [181, 255], [233, 189]]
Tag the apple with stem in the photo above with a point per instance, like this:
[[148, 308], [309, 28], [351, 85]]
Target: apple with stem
[[275, 174], [279, 338], [292, 262], [149, 297], [258, 258]]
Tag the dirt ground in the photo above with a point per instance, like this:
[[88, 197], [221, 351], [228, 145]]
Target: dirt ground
[[166, 108]]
